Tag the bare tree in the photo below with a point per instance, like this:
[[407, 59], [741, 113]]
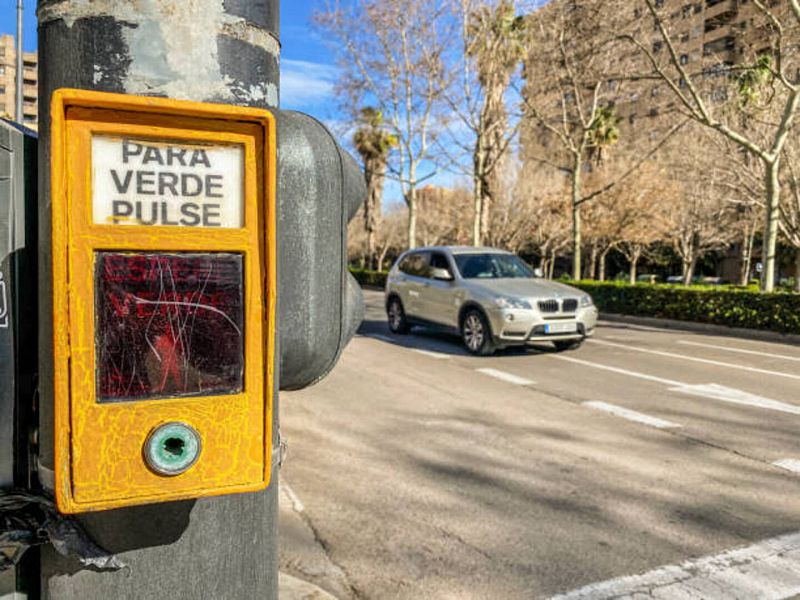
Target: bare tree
[[790, 209], [700, 216], [641, 209], [770, 77], [573, 65], [390, 54], [443, 215]]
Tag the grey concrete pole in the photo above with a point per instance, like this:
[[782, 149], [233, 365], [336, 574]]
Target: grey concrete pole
[[222, 51], [20, 65]]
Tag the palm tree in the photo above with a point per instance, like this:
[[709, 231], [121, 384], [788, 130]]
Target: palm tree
[[603, 132], [496, 43], [374, 144]]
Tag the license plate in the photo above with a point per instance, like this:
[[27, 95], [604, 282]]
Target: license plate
[[561, 328]]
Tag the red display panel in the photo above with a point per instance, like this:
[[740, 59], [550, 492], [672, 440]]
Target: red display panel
[[168, 325]]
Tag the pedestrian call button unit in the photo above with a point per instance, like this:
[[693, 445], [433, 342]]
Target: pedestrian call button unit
[[164, 289]]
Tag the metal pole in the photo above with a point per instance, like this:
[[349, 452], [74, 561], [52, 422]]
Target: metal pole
[[205, 50], [20, 65]]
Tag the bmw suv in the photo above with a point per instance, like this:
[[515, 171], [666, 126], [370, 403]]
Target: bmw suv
[[491, 297]]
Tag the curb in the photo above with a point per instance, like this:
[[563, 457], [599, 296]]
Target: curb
[[722, 330]]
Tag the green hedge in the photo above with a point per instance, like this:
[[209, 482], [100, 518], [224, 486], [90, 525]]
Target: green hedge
[[731, 307], [369, 278]]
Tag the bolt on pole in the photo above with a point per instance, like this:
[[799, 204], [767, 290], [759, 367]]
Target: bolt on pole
[[222, 51]]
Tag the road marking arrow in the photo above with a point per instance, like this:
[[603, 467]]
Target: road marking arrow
[[734, 396]]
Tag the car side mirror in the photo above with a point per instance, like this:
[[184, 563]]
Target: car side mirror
[[537, 272], [441, 274]]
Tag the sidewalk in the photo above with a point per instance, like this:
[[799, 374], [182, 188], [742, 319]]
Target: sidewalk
[[721, 330], [306, 570]]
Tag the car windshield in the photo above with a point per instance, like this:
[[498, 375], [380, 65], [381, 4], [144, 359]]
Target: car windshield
[[492, 266]]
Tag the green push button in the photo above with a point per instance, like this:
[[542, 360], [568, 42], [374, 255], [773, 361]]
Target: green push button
[[172, 449]]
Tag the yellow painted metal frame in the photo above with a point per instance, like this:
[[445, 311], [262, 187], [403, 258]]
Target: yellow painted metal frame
[[98, 446]]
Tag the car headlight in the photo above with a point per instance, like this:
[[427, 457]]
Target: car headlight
[[504, 302], [586, 300]]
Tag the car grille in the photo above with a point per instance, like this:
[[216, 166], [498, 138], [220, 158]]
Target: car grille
[[548, 306], [570, 305]]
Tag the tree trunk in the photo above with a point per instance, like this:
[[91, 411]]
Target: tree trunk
[[634, 265], [689, 265], [747, 255], [602, 265], [477, 202], [773, 185], [411, 202], [593, 263], [576, 219], [382, 257], [370, 249], [797, 269]]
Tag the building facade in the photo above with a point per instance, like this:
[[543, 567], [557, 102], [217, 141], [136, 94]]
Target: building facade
[[8, 88]]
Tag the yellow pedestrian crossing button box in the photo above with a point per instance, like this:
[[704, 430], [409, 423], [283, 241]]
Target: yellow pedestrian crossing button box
[[164, 290]]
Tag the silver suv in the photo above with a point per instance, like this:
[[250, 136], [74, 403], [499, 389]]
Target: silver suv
[[491, 297]]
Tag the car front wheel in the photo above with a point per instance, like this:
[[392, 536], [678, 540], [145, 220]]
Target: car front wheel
[[476, 334], [397, 317]]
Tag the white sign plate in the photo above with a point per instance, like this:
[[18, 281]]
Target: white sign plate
[[177, 184]]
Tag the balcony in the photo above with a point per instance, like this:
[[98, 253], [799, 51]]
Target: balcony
[[720, 20], [719, 46]]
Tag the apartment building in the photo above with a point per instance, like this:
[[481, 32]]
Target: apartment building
[[709, 36], [8, 78]]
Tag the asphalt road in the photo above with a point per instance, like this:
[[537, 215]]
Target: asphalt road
[[423, 472]]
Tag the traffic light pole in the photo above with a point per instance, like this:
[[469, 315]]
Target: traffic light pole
[[212, 51]]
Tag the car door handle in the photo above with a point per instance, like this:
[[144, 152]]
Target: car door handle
[[413, 293]]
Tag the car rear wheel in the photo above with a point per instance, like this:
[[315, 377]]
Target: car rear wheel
[[562, 345], [397, 317], [475, 333]]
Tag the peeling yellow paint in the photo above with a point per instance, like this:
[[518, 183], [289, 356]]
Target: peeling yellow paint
[[98, 446]]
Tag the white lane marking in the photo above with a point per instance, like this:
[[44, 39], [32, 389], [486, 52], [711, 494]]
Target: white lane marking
[[507, 377], [740, 350], [297, 505], [709, 390], [768, 570], [437, 355], [726, 394], [632, 415], [695, 359], [670, 382], [790, 464]]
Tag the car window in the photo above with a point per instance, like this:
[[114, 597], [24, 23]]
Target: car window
[[438, 261], [492, 266], [415, 264]]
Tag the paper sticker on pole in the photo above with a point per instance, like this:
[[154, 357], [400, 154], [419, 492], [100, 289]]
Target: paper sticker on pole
[[164, 288]]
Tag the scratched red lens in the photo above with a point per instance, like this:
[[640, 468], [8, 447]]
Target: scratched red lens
[[168, 325]]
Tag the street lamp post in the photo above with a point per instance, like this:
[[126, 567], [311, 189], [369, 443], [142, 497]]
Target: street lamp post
[[20, 64]]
